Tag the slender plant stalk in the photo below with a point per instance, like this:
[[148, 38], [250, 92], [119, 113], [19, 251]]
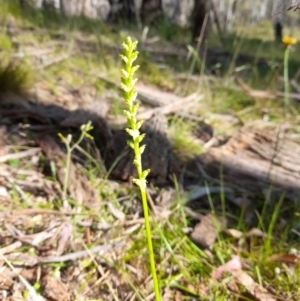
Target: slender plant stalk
[[127, 84], [286, 76], [272, 224], [67, 172], [67, 141]]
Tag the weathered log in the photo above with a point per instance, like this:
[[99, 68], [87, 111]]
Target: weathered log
[[253, 159]]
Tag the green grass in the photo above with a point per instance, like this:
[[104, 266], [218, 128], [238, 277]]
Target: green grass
[[182, 139]]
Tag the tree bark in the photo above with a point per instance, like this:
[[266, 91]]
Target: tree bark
[[151, 10]]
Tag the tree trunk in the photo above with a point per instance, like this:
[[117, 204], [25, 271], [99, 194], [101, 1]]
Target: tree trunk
[[278, 18], [230, 15], [176, 11], [125, 10], [151, 10], [68, 7], [201, 18], [278, 31]]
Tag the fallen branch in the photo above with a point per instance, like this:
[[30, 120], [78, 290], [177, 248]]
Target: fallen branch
[[180, 106], [265, 94], [255, 93], [146, 94]]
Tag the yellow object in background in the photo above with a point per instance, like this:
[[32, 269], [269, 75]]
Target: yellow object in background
[[289, 41]]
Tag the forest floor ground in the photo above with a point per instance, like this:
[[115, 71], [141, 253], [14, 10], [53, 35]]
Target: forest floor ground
[[218, 234]]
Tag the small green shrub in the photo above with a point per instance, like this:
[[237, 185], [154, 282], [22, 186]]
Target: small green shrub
[[15, 76]]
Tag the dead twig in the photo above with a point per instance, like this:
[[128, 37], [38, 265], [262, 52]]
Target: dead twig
[[295, 7], [20, 191], [56, 60], [11, 247], [30, 261], [20, 155], [32, 239], [35, 52], [77, 255], [43, 211]]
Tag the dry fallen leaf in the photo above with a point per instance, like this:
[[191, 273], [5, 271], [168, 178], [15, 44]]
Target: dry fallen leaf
[[5, 283], [234, 267], [205, 233], [118, 214], [255, 232], [235, 233], [54, 289], [257, 291], [285, 258]]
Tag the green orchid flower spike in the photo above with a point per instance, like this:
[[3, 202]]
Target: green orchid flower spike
[[128, 82]]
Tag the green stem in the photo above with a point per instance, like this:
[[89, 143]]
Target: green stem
[[68, 164], [150, 245], [66, 179], [147, 225], [286, 77]]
